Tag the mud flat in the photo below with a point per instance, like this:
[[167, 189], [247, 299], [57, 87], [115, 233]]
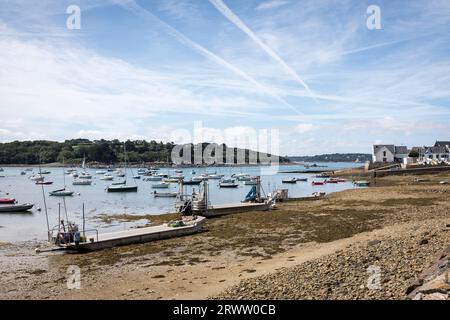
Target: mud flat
[[303, 250]]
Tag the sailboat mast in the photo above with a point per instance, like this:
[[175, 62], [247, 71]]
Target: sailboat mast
[[43, 196], [64, 174]]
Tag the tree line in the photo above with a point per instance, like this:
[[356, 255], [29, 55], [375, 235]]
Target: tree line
[[101, 151]]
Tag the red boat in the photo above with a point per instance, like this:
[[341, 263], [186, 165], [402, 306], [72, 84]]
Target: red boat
[[318, 183], [46, 183], [7, 201]]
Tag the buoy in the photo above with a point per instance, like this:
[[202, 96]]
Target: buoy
[[39, 209]]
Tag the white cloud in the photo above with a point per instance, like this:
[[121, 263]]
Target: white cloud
[[271, 4], [305, 127]]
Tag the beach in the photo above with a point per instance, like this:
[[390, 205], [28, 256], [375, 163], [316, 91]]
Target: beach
[[302, 250]]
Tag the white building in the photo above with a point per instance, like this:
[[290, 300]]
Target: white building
[[439, 152], [389, 153]]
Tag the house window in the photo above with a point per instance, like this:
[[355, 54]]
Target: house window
[[384, 153]]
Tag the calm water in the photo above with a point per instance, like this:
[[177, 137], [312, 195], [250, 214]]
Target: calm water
[[29, 226]]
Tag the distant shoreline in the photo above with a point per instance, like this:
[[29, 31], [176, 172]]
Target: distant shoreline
[[119, 165], [160, 165]]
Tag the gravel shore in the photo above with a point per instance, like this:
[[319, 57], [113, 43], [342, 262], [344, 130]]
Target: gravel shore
[[399, 257]]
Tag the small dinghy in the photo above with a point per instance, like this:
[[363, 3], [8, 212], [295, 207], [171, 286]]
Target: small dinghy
[[318, 183], [16, 207], [361, 183], [302, 179]]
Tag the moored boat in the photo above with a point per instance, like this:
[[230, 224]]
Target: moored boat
[[162, 185], [318, 183], [85, 175], [37, 178], [153, 178], [82, 182], [228, 185], [61, 193], [292, 180], [191, 182], [45, 183], [7, 200], [16, 207], [252, 182], [361, 183], [107, 177], [122, 188], [165, 194]]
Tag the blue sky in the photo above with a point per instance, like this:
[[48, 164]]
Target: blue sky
[[145, 69]]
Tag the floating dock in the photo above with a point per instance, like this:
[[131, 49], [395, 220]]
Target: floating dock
[[221, 210], [138, 235], [310, 198]]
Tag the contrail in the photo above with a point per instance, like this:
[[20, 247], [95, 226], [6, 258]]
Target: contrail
[[138, 10], [226, 11]]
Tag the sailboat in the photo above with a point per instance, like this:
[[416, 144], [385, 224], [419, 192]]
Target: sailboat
[[84, 174], [62, 192], [123, 187]]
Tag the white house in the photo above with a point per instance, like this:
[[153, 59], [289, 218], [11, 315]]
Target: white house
[[439, 152], [389, 153]]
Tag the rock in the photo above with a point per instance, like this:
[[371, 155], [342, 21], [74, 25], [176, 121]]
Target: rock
[[374, 242], [423, 241], [435, 296], [437, 285]]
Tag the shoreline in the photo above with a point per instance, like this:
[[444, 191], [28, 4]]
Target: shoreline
[[165, 165], [321, 249]]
